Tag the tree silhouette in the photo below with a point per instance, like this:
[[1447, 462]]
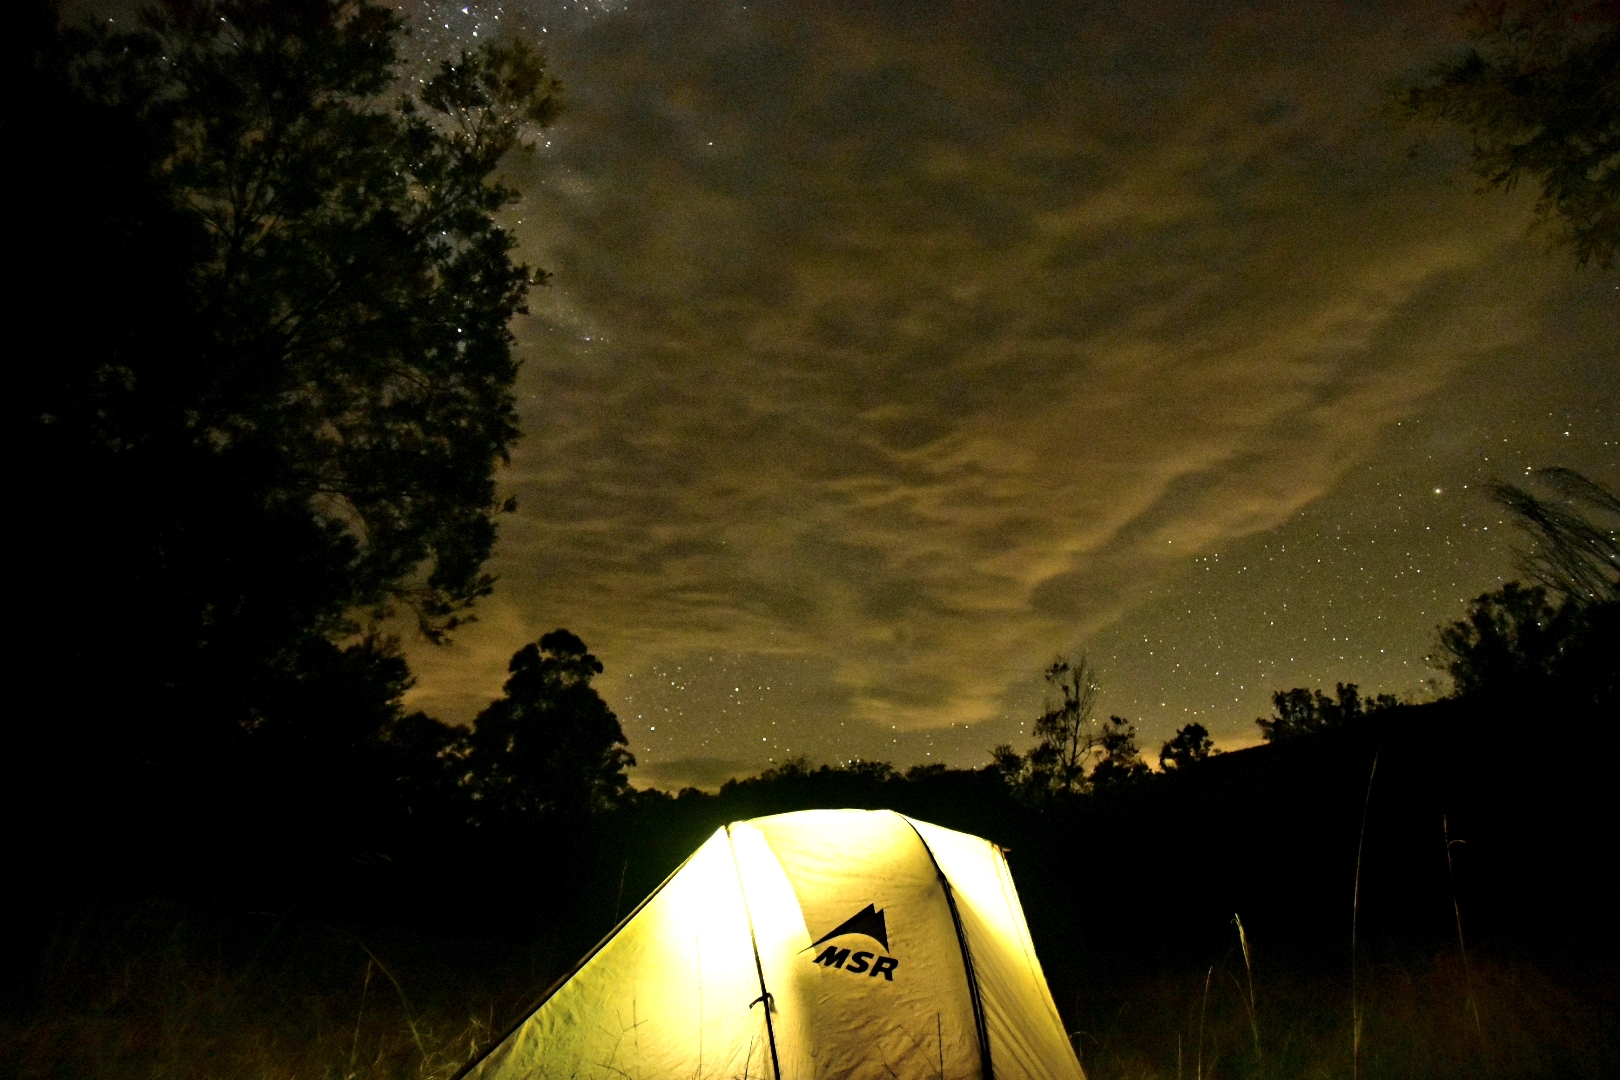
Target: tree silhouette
[[1075, 752], [549, 746], [1538, 93], [1190, 744], [1118, 761], [1066, 733], [424, 761], [1574, 557], [1561, 635], [1067, 736], [271, 376], [1306, 712], [1510, 638]]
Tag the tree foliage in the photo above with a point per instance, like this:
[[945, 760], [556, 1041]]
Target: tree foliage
[[1576, 552], [1075, 751], [1538, 93], [1067, 736], [1306, 712], [1190, 745], [271, 374], [1561, 635], [1117, 761], [1509, 638], [549, 746], [547, 754]]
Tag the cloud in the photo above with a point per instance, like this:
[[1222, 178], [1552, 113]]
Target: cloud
[[706, 773], [872, 349]]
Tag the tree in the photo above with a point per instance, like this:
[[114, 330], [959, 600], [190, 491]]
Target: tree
[[425, 763], [1075, 751], [1306, 712], [1561, 635], [549, 746], [1067, 736], [1509, 638], [271, 378], [1574, 557], [1190, 744], [1117, 761], [1538, 92]]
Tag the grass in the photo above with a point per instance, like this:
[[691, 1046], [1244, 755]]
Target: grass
[[1417, 1018], [312, 1003]]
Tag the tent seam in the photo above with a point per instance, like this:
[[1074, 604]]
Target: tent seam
[[981, 1028], [1015, 909], [759, 967]]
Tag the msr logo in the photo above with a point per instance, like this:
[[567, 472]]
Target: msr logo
[[833, 956], [868, 922]]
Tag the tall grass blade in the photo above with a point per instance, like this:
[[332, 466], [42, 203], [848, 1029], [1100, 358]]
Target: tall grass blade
[[1248, 966], [354, 1051], [405, 1005], [1355, 915], [1462, 944], [618, 901], [1201, 1010]]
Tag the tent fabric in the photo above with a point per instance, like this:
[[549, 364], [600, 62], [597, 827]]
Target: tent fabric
[[847, 944]]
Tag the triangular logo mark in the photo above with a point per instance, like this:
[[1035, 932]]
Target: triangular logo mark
[[868, 921]]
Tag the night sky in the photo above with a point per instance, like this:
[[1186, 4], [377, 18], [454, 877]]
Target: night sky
[[894, 350]]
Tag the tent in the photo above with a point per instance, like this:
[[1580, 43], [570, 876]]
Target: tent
[[848, 944]]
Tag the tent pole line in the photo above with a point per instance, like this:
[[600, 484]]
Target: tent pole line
[[759, 967], [980, 1027]]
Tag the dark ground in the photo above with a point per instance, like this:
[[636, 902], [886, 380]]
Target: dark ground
[[154, 940]]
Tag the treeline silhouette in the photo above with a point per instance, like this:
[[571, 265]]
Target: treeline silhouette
[[1471, 829], [485, 860], [523, 826]]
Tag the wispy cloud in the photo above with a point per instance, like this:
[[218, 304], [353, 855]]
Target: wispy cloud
[[873, 346]]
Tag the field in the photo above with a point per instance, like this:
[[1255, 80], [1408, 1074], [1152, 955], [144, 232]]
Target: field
[[313, 1002], [1497, 962]]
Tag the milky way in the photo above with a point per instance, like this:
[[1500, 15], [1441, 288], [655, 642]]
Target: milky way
[[894, 351]]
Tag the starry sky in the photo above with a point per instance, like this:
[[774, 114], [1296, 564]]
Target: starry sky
[[895, 349]]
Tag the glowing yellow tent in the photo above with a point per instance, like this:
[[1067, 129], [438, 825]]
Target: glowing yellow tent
[[847, 944]]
